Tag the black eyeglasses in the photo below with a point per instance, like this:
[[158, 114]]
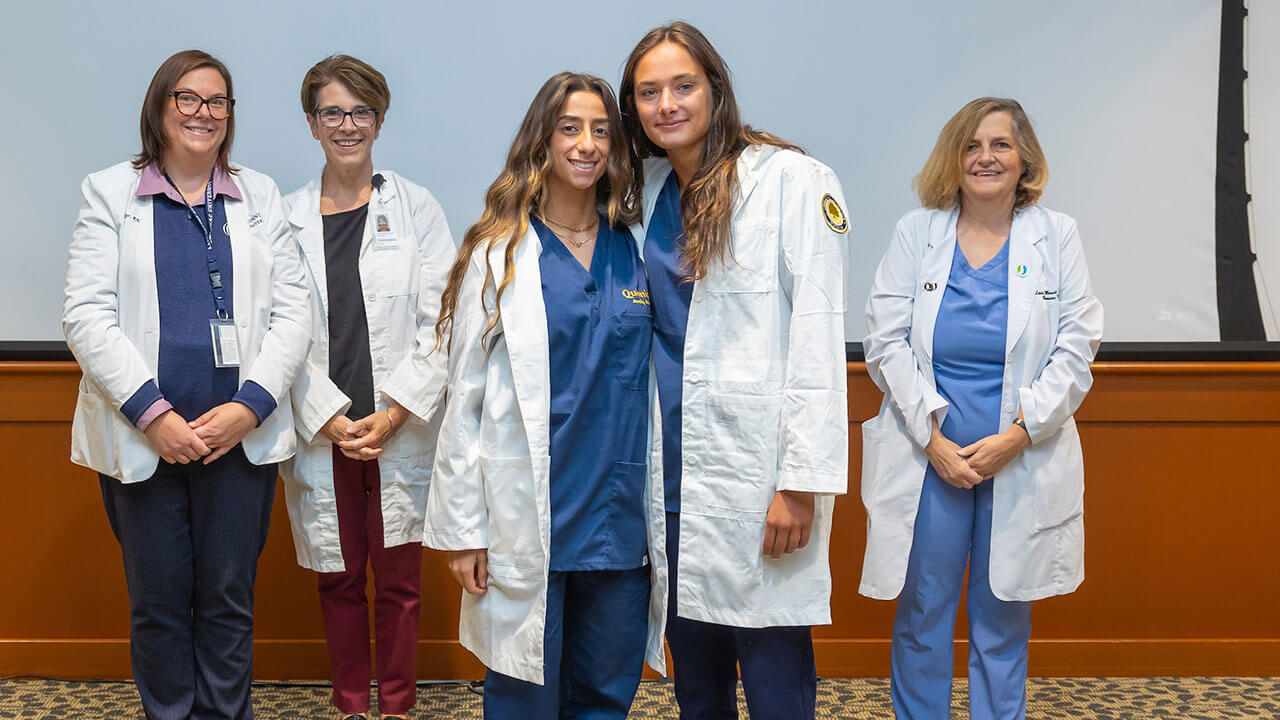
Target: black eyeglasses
[[361, 117], [188, 103]]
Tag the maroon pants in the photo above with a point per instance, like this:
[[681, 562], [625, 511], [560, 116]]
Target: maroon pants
[[397, 595]]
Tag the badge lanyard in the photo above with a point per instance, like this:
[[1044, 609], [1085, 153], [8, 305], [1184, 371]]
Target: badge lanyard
[[226, 352]]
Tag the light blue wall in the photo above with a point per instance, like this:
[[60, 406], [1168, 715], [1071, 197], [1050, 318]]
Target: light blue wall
[[1123, 96]]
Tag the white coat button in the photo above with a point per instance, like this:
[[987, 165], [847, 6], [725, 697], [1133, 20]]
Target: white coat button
[[697, 298], [372, 297], [379, 360], [1008, 407], [244, 323], [695, 377], [691, 462]]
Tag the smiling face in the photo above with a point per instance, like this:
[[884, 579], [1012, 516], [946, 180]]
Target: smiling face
[[196, 136], [345, 146], [579, 145], [673, 99], [991, 166]]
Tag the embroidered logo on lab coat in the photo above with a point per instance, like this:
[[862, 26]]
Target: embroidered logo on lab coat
[[834, 216], [1020, 271]]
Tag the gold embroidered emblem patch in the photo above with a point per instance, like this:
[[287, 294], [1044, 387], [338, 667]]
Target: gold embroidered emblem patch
[[834, 216]]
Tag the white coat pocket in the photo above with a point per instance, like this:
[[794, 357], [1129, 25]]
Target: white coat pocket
[[742, 473], [1056, 468], [513, 512]]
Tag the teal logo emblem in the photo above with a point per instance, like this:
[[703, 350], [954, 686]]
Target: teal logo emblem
[[1020, 271]]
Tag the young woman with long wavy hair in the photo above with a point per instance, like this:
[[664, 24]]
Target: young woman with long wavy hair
[[744, 238], [541, 490]]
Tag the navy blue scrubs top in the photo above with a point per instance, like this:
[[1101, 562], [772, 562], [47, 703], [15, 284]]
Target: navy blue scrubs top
[[671, 295], [600, 328], [969, 346]]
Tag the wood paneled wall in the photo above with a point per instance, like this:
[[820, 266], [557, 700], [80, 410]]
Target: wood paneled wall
[[1182, 534]]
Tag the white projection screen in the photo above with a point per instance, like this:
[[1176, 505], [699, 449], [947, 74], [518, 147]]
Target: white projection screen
[[1123, 96]]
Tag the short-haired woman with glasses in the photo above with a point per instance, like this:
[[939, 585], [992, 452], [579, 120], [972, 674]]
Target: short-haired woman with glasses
[[186, 307], [379, 251]]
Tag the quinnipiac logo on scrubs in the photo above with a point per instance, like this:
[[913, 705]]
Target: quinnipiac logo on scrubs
[[639, 297]]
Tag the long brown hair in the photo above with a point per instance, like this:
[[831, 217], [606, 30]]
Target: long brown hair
[[157, 101], [938, 184], [520, 191], [706, 204]]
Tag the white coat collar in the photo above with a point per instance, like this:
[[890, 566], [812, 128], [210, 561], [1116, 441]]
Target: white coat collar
[[524, 323], [306, 207], [750, 161], [1029, 227]]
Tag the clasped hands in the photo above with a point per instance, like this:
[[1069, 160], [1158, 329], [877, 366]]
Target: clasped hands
[[209, 436], [362, 439], [966, 467]]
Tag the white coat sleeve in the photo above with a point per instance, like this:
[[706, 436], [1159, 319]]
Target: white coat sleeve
[[1061, 386], [90, 306], [284, 346], [418, 382], [815, 411], [891, 362], [457, 513]]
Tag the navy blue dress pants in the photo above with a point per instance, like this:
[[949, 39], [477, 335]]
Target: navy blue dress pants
[[191, 536], [779, 679]]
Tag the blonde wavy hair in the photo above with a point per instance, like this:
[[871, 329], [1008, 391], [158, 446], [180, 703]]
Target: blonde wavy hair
[[938, 184], [520, 191]]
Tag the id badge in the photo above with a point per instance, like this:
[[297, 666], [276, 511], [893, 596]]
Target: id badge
[[226, 349], [383, 237]]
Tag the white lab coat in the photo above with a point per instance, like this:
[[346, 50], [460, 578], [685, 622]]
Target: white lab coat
[[764, 403], [111, 318], [491, 482], [1054, 327], [402, 276]]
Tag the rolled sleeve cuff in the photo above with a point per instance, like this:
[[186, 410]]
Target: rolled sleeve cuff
[[141, 402], [256, 398]]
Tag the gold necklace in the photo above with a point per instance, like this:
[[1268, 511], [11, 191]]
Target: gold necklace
[[576, 243]]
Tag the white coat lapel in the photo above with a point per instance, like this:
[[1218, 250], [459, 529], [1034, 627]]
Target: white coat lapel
[[1024, 272], [308, 229], [381, 204], [524, 322], [242, 262], [935, 269], [748, 161], [137, 246]]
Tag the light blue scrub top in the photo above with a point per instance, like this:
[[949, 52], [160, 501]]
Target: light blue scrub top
[[599, 327], [663, 243], [969, 346]]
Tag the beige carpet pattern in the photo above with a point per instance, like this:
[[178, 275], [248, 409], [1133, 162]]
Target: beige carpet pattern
[[1047, 699]]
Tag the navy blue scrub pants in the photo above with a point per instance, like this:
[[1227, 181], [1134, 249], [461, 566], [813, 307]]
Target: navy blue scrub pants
[[593, 651], [779, 679], [190, 536], [954, 525]]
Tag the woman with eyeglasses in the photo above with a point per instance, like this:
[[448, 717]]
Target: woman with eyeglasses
[[378, 250], [186, 306]]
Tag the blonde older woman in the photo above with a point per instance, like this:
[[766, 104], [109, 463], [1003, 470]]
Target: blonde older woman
[[981, 329]]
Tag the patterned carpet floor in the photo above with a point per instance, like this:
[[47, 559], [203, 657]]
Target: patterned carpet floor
[[1047, 698]]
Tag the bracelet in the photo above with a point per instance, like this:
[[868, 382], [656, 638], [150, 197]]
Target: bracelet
[[1016, 421], [393, 423]]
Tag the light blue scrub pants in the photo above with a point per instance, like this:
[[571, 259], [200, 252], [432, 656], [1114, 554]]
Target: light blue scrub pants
[[952, 526]]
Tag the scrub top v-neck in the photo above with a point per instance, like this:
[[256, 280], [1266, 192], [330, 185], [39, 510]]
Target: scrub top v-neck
[[969, 346], [599, 329]]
